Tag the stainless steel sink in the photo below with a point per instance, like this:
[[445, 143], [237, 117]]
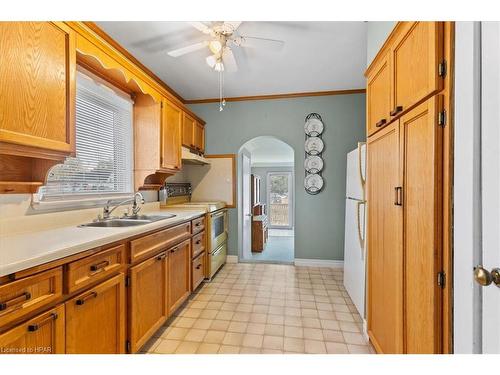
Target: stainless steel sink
[[128, 221]]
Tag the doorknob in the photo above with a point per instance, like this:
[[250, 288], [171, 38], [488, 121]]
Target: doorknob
[[485, 278]]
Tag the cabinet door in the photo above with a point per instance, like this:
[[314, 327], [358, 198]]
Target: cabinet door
[[379, 97], [147, 299], [37, 84], [44, 334], [171, 136], [179, 274], [199, 137], [188, 125], [95, 319], [416, 59], [385, 255], [421, 141]]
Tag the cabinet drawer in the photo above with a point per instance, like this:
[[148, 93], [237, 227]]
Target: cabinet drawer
[[198, 245], [197, 271], [146, 246], [198, 224], [23, 296], [43, 334], [86, 271]]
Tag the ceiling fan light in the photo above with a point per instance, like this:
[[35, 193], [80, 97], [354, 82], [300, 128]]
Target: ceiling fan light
[[219, 67], [211, 61], [215, 46]]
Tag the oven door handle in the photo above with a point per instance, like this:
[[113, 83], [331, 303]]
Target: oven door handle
[[217, 214]]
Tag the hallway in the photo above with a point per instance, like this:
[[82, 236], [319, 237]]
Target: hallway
[[279, 247]]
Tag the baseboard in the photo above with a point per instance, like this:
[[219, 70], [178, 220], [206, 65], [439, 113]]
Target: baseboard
[[319, 263], [232, 259]]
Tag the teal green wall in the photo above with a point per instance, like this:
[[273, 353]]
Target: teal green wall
[[319, 219]]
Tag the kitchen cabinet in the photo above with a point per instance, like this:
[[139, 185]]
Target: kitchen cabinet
[[416, 57], [95, 319], [193, 134], [384, 233], [37, 78], [179, 275], [378, 89], [43, 334], [197, 271], [147, 299], [170, 158]]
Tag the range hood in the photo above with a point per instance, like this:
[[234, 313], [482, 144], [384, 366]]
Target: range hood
[[189, 157]]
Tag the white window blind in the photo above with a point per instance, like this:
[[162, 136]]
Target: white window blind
[[104, 146]]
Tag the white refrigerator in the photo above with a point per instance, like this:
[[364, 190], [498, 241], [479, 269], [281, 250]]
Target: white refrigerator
[[354, 242]]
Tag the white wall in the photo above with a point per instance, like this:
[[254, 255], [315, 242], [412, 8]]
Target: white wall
[[467, 196], [377, 33]]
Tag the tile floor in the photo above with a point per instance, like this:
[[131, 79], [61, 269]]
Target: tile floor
[[265, 308]]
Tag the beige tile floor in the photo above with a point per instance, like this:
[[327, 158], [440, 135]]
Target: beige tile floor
[[265, 308]]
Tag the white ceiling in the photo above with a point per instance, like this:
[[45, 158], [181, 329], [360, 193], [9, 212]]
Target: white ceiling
[[316, 56], [267, 151]]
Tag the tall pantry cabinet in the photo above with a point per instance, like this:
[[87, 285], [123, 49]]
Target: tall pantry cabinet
[[406, 277]]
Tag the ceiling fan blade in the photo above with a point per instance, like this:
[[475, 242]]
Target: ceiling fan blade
[[253, 41], [233, 24], [229, 60], [201, 26], [191, 48]]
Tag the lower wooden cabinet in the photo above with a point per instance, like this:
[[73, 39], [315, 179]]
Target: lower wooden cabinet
[[95, 319], [179, 275], [197, 271], [147, 299], [43, 334]]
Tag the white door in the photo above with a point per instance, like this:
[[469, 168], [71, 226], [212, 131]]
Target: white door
[[490, 178], [246, 204]]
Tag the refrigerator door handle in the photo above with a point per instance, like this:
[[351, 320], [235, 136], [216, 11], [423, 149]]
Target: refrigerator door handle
[[361, 231], [362, 179]]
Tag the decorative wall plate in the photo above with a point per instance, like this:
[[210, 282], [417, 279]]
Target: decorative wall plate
[[313, 164], [314, 145], [313, 183], [313, 127]]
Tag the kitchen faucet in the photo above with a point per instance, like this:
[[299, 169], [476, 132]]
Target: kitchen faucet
[[106, 212]]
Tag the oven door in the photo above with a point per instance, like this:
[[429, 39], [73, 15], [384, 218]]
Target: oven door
[[218, 229]]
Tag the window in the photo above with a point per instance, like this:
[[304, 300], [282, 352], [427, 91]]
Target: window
[[104, 146]]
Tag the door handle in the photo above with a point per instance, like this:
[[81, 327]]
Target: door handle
[[398, 190], [380, 123], [396, 110], [484, 278]]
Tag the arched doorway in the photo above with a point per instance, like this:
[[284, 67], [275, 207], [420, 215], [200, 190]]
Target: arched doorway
[[266, 196]]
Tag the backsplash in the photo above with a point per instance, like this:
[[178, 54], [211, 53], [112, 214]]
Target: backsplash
[[17, 216]]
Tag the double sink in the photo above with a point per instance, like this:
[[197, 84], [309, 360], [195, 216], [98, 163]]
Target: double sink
[[127, 221]]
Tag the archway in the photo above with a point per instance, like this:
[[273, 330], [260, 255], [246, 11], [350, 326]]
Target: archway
[[266, 207]]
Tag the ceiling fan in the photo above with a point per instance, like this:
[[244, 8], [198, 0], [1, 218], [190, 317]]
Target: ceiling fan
[[223, 36]]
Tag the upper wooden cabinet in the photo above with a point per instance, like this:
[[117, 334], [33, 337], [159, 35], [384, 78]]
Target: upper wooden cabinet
[[414, 50], [378, 88], [37, 85], [170, 158], [193, 134]]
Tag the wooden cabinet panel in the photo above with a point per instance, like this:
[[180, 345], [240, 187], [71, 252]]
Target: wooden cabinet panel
[[146, 246], [379, 96], [43, 334], [94, 268], [416, 57], [147, 299], [171, 136], [21, 297], [198, 245], [421, 142], [188, 125], [197, 271], [95, 319], [384, 247], [179, 275], [37, 84], [199, 137], [198, 224]]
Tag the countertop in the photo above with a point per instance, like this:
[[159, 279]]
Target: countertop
[[22, 251]]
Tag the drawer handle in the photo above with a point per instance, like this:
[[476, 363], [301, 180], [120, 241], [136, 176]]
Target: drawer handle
[[198, 266], [161, 256], [14, 301], [198, 224], [81, 301], [198, 242], [36, 326], [396, 110], [98, 266], [174, 249], [380, 123]]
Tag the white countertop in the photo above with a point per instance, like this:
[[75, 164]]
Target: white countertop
[[22, 251]]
